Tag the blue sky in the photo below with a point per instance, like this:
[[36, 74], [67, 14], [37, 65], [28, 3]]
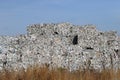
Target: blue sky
[[15, 15]]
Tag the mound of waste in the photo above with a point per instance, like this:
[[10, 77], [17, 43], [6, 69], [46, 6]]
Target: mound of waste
[[61, 45]]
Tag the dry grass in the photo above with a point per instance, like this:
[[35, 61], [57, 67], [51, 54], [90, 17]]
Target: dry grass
[[43, 73]]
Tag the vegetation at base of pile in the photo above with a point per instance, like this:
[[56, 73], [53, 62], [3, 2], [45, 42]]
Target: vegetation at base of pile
[[44, 73]]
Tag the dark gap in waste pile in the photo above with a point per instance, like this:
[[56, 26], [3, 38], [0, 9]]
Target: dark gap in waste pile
[[55, 32], [75, 40], [89, 48]]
